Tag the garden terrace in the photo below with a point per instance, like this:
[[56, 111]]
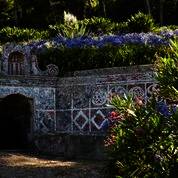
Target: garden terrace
[[68, 113]]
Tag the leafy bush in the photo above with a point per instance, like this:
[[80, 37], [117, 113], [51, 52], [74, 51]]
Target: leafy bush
[[94, 26], [71, 28], [71, 59], [140, 23], [143, 142], [15, 34], [99, 25], [68, 31], [167, 73]]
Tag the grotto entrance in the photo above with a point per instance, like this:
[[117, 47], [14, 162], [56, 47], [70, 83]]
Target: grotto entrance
[[15, 122]]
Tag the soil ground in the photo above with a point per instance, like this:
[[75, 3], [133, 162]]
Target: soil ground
[[22, 165]]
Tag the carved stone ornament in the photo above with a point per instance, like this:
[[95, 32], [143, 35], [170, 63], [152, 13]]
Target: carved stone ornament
[[52, 70]]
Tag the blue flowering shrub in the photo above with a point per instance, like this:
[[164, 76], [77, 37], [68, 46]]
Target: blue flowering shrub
[[143, 141], [88, 52]]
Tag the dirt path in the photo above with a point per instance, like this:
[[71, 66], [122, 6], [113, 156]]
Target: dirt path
[[19, 165]]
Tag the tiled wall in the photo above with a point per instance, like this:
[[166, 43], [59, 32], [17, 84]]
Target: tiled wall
[[78, 104]]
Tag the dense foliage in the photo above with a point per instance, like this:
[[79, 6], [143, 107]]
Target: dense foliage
[[167, 73], [102, 51], [71, 59], [91, 51], [95, 42], [143, 142], [71, 28], [15, 34]]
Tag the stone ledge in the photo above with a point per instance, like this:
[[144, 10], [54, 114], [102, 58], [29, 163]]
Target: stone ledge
[[72, 146]]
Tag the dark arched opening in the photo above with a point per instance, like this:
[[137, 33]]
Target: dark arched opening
[[15, 122], [16, 63]]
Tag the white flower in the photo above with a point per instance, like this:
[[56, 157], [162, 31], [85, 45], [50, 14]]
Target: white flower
[[69, 18]]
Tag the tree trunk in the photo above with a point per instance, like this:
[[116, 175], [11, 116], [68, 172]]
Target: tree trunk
[[148, 7], [161, 11]]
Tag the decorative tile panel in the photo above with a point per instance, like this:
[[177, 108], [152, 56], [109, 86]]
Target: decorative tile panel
[[98, 119], [81, 121], [46, 99], [64, 97], [46, 121], [80, 97], [63, 121], [100, 96]]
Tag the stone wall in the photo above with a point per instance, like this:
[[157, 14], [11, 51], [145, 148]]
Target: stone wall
[[69, 113], [81, 108]]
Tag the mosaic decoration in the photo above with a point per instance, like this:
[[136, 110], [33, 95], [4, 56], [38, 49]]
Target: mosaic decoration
[[91, 115], [63, 122], [64, 98], [80, 120], [98, 119], [99, 97], [80, 97], [46, 121], [46, 99]]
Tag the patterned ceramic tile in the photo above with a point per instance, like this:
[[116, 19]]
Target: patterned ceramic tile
[[63, 121], [80, 97], [64, 97], [46, 121]]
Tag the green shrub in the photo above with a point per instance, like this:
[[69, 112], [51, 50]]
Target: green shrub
[[143, 142], [167, 73], [68, 31], [71, 27], [140, 23], [94, 25], [99, 25], [71, 59], [15, 34]]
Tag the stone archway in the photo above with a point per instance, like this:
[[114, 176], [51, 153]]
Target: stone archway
[[15, 122]]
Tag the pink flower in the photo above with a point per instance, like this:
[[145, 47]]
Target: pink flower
[[114, 114], [139, 101]]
